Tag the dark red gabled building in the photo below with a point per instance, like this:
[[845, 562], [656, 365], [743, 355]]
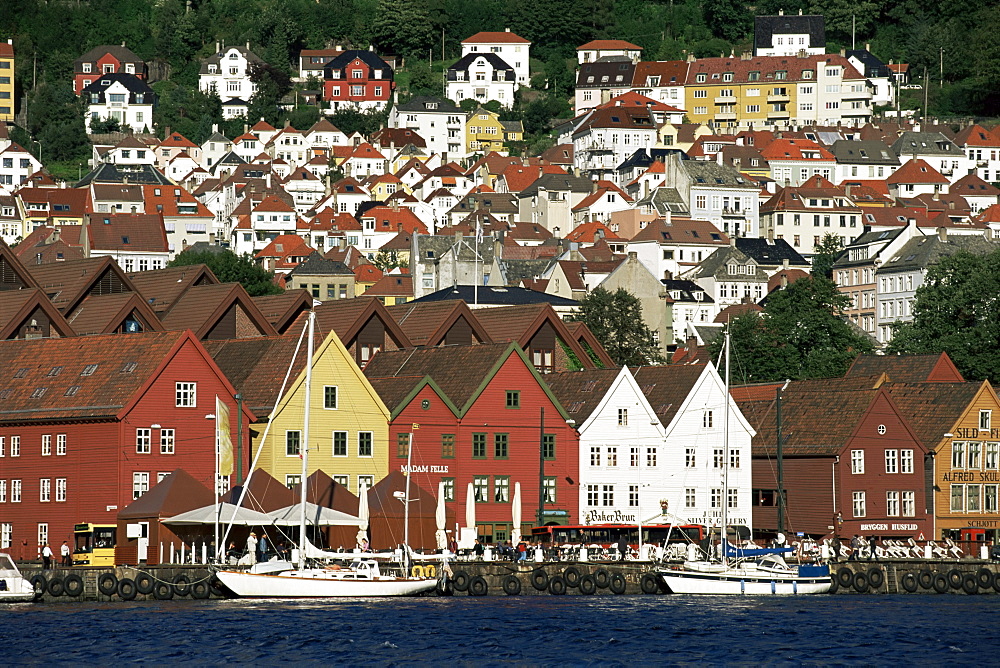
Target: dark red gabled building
[[357, 79], [476, 417], [102, 60], [852, 463], [88, 424]]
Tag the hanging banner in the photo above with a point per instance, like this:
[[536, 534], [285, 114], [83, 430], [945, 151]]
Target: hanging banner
[[223, 437]]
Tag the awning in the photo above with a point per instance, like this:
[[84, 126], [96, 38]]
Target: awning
[[206, 515], [315, 515]]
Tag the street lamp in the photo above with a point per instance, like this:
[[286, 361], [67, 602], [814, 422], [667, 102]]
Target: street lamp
[[39, 149]]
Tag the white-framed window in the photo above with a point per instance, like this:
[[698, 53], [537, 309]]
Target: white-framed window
[[160, 475], [140, 483], [43, 533], [892, 504], [6, 532], [168, 441], [44, 490], [906, 461], [293, 443], [46, 445], [908, 503], [365, 443], [595, 455], [958, 455], [622, 417], [990, 462], [689, 458], [593, 495], [60, 445], [985, 418], [607, 495], [143, 440], [340, 444], [3, 491], [957, 498], [858, 503], [187, 395], [857, 462], [15, 491], [633, 456], [689, 497], [972, 498], [292, 480], [891, 461], [3, 451], [734, 458], [633, 496], [718, 458], [732, 498], [651, 457], [974, 454], [330, 397], [716, 497], [707, 419], [15, 446], [990, 498], [612, 455], [60, 490]]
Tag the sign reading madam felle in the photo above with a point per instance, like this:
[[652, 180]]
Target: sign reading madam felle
[[423, 469], [610, 517]]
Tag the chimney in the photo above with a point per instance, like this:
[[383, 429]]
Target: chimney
[[942, 234], [342, 243], [218, 47], [847, 189], [784, 263], [868, 46], [458, 236]]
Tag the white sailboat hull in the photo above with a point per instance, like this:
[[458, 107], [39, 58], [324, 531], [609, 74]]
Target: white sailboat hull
[[743, 581], [318, 583]]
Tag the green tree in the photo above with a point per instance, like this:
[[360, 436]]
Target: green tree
[[829, 249], [403, 27], [615, 318], [105, 126], [956, 311], [729, 19], [232, 268], [366, 122], [388, 260], [800, 334]]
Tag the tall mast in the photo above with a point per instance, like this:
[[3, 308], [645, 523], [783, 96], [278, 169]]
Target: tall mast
[[304, 445], [725, 456], [406, 504]]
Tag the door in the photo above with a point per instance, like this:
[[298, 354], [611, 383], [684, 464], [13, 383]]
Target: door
[[143, 549]]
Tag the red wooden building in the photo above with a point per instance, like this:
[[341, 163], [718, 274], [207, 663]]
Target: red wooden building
[[475, 413], [88, 424], [852, 463], [102, 60], [357, 79]]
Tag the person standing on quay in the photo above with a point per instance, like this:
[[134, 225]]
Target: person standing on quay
[[67, 560], [46, 557], [855, 549]]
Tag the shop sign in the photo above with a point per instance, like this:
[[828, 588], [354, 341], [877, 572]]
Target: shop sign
[[609, 517], [423, 469], [885, 526]]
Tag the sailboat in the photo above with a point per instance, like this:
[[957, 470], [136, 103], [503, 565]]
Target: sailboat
[[738, 570], [361, 578]]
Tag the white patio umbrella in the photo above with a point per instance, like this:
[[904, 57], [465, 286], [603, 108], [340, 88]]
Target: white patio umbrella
[[206, 515], [515, 510], [362, 516], [439, 518], [470, 508]]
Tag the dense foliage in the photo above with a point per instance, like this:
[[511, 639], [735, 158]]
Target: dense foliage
[[800, 334], [229, 267], [957, 310], [615, 318]]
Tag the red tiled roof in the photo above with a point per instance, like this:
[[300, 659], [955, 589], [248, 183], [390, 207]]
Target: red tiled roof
[[586, 232], [792, 149], [177, 140], [606, 44], [128, 232], [916, 170], [391, 285], [495, 38]]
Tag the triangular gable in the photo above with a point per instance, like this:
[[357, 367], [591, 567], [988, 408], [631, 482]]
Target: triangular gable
[[373, 309], [582, 334], [709, 375], [30, 309], [945, 371], [882, 394], [109, 314], [283, 310], [212, 312], [624, 377], [13, 275], [161, 288], [69, 283], [548, 315], [459, 312]]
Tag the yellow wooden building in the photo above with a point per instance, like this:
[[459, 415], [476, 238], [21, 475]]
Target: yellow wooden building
[[485, 132], [349, 423]]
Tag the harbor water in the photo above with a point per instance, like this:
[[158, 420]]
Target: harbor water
[[550, 630]]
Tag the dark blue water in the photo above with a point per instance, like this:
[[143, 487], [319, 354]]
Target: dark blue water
[[535, 630]]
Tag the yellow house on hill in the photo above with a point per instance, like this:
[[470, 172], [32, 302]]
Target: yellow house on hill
[[348, 422]]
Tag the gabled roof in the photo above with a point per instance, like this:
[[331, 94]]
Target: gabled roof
[[972, 185], [282, 310], [495, 61], [17, 306], [976, 135], [98, 377], [795, 149], [121, 53], [161, 288], [608, 44], [916, 170], [666, 387], [202, 307], [765, 27], [428, 323], [428, 104], [106, 314], [67, 283], [907, 368], [933, 408], [317, 265], [520, 323], [682, 231], [347, 317], [581, 392], [176, 140], [13, 274], [558, 182], [496, 295], [495, 38], [127, 232]]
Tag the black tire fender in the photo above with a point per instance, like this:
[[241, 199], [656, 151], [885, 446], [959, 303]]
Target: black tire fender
[[557, 586], [834, 585], [649, 583], [55, 587], [909, 582], [201, 590], [926, 579], [163, 591], [955, 578], [40, 584], [845, 577], [876, 577], [540, 579], [602, 578], [617, 584], [511, 585], [144, 583], [860, 582], [461, 581], [985, 578], [572, 577], [478, 586], [181, 585], [970, 583], [588, 585], [107, 584], [127, 589], [940, 583], [73, 585]]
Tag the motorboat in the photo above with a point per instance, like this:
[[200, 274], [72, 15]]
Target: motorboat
[[13, 587]]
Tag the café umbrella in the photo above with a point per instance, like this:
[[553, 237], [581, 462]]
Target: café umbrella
[[362, 517], [470, 508], [228, 514], [439, 519], [515, 509]]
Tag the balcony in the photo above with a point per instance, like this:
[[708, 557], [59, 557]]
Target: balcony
[[779, 114], [597, 147], [982, 163], [779, 98], [725, 99], [733, 213], [947, 171], [725, 116]]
